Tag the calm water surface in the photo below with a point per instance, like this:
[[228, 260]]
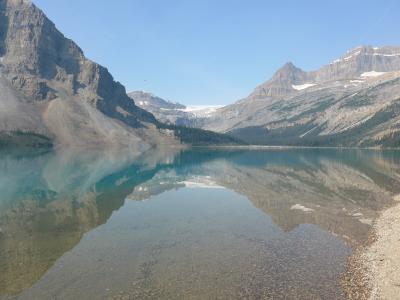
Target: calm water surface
[[199, 224]]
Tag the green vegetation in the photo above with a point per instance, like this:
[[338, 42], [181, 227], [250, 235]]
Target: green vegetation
[[200, 137], [193, 136], [391, 141], [290, 136]]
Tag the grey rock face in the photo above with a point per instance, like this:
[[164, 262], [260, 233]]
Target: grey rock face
[[57, 91], [34, 51]]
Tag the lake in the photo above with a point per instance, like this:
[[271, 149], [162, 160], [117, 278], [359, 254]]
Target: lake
[[195, 224]]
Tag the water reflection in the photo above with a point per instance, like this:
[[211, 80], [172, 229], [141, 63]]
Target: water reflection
[[48, 202], [340, 191]]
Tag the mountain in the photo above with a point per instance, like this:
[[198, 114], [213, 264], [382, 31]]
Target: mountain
[[49, 89], [145, 99], [353, 101], [353, 64], [172, 113], [282, 82], [50, 93]]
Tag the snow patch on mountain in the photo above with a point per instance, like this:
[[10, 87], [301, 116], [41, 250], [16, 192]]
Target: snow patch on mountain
[[303, 86], [301, 207], [201, 110], [372, 74], [352, 55], [387, 55], [204, 182]]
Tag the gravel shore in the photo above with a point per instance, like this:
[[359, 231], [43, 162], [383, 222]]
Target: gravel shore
[[374, 272]]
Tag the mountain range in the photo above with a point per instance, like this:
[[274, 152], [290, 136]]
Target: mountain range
[[51, 94], [353, 101]]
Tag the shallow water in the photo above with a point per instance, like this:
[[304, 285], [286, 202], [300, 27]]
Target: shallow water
[[199, 224]]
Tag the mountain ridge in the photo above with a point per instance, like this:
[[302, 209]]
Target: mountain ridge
[[351, 101], [337, 105], [50, 91]]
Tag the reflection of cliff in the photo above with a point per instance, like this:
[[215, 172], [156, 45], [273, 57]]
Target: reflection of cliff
[[340, 192], [34, 236], [49, 202]]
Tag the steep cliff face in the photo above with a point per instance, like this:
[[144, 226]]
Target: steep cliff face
[[360, 60], [49, 87]]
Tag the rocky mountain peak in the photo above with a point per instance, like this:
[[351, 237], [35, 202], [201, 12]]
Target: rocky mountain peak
[[281, 82], [289, 73], [35, 52], [287, 67]]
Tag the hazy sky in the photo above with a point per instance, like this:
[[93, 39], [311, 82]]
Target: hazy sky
[[218, 51]]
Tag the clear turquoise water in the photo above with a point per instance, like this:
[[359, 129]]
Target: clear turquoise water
[[199, 224]]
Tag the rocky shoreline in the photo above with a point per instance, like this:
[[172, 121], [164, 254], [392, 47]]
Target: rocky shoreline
[[373, 271]]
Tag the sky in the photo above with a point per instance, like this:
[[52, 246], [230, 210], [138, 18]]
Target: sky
[[210, 52]]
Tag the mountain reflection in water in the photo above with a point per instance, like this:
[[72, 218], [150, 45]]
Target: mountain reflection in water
[[319, 199]]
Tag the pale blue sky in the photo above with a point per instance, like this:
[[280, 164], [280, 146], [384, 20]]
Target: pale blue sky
[[217, 51]]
